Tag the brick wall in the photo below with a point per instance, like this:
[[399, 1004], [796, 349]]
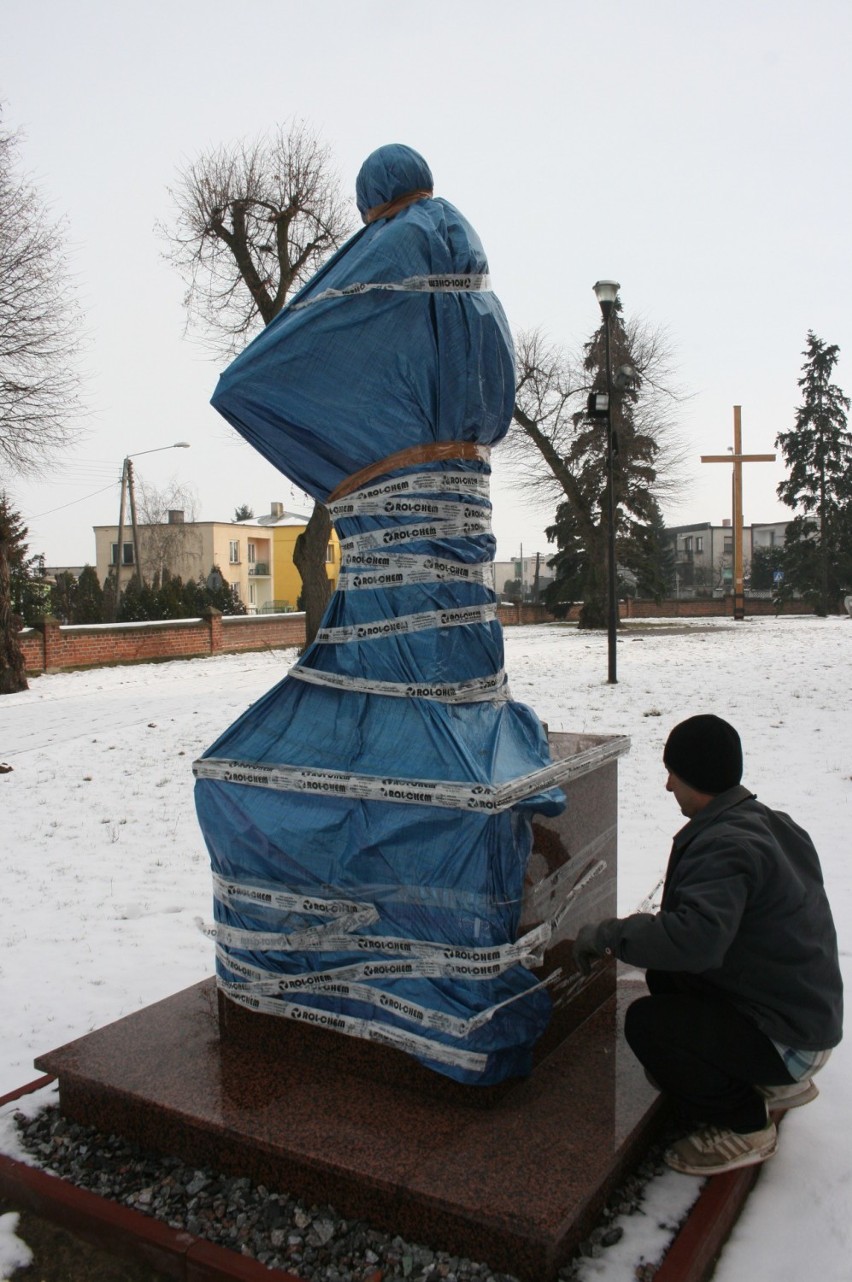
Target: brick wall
[[52, 647], [716, 607]]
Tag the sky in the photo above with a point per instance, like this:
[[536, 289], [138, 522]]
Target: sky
[[105, 869], [693, 153]]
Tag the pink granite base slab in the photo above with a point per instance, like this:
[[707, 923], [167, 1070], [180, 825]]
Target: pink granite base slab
[[517, 1184]]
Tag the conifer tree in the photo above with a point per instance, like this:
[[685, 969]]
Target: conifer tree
[[555, 441], [13, 554], [88, 597], [818, 454]]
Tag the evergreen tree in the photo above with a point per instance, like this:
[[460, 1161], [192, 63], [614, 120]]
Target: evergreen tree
[[220, 593], [62, 597], [243, 513], [28, 587], [170, 598], [13, 554], [766, 562], [818, 454], [581, 528], [138, 603], [88, 597]]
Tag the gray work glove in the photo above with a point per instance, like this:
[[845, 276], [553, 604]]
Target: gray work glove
[[586, 949]]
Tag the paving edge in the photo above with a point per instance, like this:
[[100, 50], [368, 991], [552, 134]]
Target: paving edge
[[694, 1251], [691, 1257], [121, 1230]]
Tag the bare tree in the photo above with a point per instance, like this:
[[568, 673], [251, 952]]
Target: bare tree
[[39, 380], [255, 219], [39, 326], [168, 543], [557, 454]]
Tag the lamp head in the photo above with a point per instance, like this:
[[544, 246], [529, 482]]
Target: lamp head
[[606, 292]]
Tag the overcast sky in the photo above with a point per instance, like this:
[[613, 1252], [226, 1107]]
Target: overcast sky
[[698, 154]]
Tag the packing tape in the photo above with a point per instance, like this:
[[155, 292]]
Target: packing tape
[[475, 483], [407, 624], [477, 690], [449, 284]]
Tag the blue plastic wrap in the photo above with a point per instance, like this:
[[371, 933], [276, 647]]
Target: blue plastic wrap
[[381, 783]]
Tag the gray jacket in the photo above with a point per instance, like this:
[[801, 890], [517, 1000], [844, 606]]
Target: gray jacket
[[745, 914]]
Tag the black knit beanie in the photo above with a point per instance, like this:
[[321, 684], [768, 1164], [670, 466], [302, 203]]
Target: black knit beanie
[[706, 753]]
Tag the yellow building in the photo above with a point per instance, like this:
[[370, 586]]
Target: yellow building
[[242, 550], [285, 528]]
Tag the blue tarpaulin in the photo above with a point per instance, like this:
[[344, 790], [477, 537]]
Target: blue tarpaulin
[[368, 820]]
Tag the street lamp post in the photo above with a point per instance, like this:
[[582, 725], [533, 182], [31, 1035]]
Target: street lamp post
[[127, 490], [606, 292]]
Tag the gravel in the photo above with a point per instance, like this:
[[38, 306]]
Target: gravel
[[314, 1242]]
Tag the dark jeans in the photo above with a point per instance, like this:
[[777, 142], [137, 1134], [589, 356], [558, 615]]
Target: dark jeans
[[703, 1053]]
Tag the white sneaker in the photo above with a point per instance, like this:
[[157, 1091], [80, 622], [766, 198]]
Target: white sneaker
[[792, 1096], [713, 1149]]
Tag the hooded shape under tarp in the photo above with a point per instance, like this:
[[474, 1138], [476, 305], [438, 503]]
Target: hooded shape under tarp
[[368, 820]]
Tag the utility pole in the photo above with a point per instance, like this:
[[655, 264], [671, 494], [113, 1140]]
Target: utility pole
[[118, 546], [137, 564]]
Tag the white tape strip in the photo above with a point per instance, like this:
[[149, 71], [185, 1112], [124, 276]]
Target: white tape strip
[[580, 885], [460, 283], [429, 570], [441, 529], [466, 961], [372, 559], [413, 505], [477, 690], [369, 1030], [239, 894], [474, 483], [446, 793], [333, 984], [406, 624], [339, 783], [414, 968]]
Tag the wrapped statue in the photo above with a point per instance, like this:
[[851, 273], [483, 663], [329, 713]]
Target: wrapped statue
[[369, 819]]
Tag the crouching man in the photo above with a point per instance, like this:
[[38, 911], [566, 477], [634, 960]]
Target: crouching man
[[746, 998]]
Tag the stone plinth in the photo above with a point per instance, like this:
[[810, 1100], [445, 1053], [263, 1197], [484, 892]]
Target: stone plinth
[[512, 1174], [517, 1184]]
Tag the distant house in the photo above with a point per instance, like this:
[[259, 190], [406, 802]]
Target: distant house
[[524, 578], [243, 551], [285, 527], [704, 554]]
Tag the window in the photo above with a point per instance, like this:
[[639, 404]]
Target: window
[[252, 554], [728, 547], [234, 552], [699, 543], [687, 543], [126, 553], [329, 554], [252, 593]]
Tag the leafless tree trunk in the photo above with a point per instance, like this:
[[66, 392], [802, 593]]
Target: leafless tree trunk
[[254, 222], [309, 559]]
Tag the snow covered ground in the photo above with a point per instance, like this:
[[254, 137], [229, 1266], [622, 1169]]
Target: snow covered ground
[[104, 868]]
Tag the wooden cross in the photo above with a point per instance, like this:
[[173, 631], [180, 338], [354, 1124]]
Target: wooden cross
[[738, 458]]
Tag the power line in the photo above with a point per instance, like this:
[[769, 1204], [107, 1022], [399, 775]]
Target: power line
[[73, 502]]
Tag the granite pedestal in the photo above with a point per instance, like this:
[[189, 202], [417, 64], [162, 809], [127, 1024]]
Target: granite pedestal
[[517, 1184], [513, 1174]]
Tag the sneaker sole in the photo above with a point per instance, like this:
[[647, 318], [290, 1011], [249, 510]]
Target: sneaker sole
[[805, 1096], [748, 1159]]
